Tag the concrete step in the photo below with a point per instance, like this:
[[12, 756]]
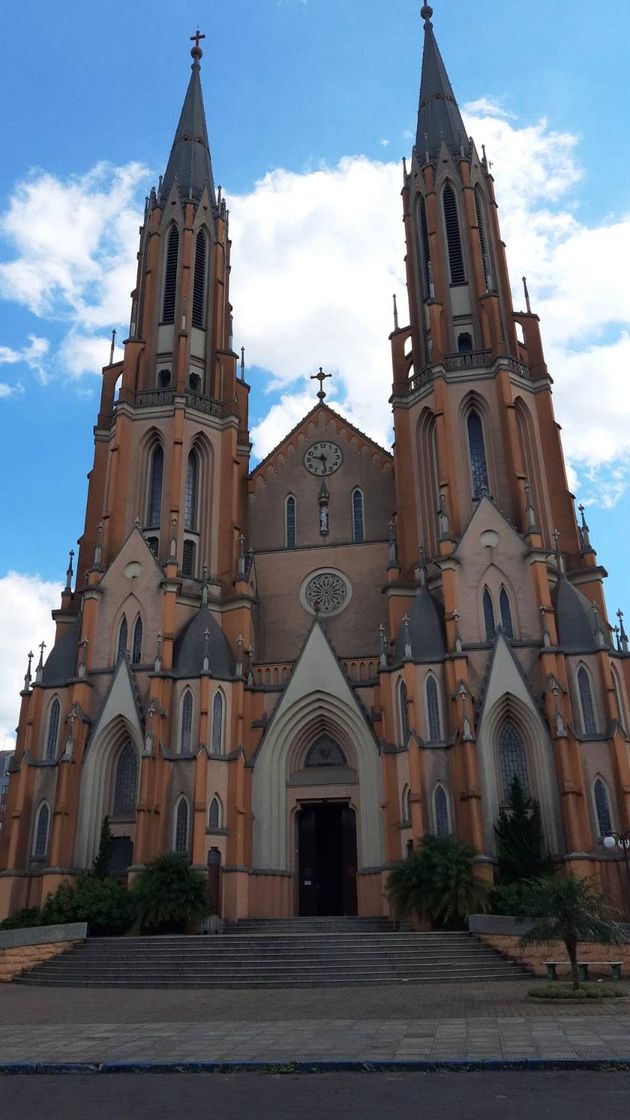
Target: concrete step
[[257, 984]]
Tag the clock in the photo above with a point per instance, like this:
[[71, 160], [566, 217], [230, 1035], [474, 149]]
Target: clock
[[323, 458]]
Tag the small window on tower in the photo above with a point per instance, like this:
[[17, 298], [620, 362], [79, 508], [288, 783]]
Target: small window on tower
[[453, 236], [199, 283], [170, 276], [194, 383], [164, 379], [188, 559], [464, 343], [153, 545]]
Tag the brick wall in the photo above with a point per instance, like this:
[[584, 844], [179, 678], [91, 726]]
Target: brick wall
[[23, 957], [534, 956]]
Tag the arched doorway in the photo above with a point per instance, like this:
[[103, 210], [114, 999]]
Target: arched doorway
[[327, 858]]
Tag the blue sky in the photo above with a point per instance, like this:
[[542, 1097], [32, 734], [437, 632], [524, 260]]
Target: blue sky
[[310, 106]]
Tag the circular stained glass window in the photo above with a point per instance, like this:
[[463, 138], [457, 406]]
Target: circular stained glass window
[[326, 593]]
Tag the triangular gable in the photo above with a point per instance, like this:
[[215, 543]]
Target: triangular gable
[[135, 548], [487, 517], [292, 438], [505, 677], [120, 703]]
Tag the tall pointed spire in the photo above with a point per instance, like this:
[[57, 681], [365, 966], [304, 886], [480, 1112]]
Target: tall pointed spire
[[190, 162], [439, 117]]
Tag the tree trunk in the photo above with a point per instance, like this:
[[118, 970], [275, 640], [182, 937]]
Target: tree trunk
[[571, 948]]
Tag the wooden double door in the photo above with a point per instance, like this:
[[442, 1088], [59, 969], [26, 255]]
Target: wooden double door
[[327, 846]]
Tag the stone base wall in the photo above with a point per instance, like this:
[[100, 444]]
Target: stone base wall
[[535, 956], [24, 957]]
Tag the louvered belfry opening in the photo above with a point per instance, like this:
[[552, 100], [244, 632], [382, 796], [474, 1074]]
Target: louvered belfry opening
[[426, 247], [483, 240], [170, 276], [453, 237], [199, 283]]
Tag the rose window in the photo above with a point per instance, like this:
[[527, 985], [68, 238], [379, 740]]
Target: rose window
[[326, 593]]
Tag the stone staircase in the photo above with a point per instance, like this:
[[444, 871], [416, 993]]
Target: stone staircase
[[297, 953]]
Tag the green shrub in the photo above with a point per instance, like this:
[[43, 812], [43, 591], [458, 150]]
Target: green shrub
[[23, 919], [583, 992], [169, 894], [437, 880], [509, 898], [105, 904]]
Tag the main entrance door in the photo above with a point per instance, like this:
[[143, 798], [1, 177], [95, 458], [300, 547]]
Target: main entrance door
[[327, 843]]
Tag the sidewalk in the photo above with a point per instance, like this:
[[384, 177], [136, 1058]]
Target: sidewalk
[[492, 1022]]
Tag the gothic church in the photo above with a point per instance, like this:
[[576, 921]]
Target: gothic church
[[292, 673]]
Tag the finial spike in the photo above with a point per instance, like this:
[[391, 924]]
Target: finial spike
[[112, 348], [527, 299], [395, 313], [426, 13]]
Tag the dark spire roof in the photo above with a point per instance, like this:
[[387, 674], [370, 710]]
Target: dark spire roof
[[61, 662], [192, 645], [190, 162], [425, 630], [579, 627], [439, 117]]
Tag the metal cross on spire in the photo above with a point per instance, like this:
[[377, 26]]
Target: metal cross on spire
[[196, 52], [321, 377]]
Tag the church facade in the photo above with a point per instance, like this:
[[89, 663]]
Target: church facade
[[291, 674]]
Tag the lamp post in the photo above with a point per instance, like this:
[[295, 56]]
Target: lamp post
[[620, 840]]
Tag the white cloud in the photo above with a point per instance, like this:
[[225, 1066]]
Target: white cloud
[[32, 355], [7, 391], [25, 605]]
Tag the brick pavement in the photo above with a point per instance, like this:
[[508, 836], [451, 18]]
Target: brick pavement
[[394, 1022]]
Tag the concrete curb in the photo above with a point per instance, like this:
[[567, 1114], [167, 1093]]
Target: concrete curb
[[305, 1067]]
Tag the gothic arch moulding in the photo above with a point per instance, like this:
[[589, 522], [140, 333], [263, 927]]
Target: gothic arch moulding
[[97, 782]]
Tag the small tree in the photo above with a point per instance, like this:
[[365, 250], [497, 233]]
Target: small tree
[[520, 838], [568, 909], [100, 867], [438, 880], [168, 893]]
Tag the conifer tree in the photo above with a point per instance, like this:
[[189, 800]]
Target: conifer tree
[[520, 838]]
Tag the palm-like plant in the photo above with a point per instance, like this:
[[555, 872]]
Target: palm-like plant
[[438, 880], [568, 909]]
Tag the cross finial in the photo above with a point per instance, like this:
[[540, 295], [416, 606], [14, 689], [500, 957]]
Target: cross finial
[[321, 377], [197, 52]]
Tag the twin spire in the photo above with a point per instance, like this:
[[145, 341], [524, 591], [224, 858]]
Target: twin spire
[[190, 162], [439, 118]]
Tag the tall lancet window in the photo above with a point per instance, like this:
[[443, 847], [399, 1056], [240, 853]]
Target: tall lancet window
[[40, 833], [170, 276], [358, 527], [52, 737], [483, 239], [136, 648], [425, 246], [589, 722], [433, 710], [488, 616], [290, 511], [155, 488], [602, 808], [403, 713], [180, 830], [185, 727], [512, 759], [477, 449], [192, 490], [199, 282], [123, 635], [126, 782], [453, 236], [440, 811], [217, 723], [506, 614]]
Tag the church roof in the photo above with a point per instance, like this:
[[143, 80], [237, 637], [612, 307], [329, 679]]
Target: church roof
[[190, 162], [426, 630], [341, 420], [439, 118], [190, 648], [61, 663], [578, 625]]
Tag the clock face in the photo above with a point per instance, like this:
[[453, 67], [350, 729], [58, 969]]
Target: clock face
[[323, 458]]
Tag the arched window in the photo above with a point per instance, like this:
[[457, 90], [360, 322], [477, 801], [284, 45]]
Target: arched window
[[589, 722], [405, 805], [215, 815], [403, 713], [189, 558], [433, 710], [199, 282], [602, 807], [52, 735], [155, 488], [180, 827], [429, 475], [290, 510], [192, 489], [506, 614], [512, 759], [153, 544], [488, 616], [217, 723], [325, 751], [621, 711], [477, 450], [170, 276], [483, 239], [453, 238], [440, 811], [136, 648], [425, 246], [40, 831], [123, 636], [126, 782], [358, 527], [185, 723]]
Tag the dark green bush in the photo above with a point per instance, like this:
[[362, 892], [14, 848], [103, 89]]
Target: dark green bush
[[23, 919], [168, 895]]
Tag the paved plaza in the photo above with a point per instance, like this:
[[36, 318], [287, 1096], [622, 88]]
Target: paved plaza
[[451, 1022]]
